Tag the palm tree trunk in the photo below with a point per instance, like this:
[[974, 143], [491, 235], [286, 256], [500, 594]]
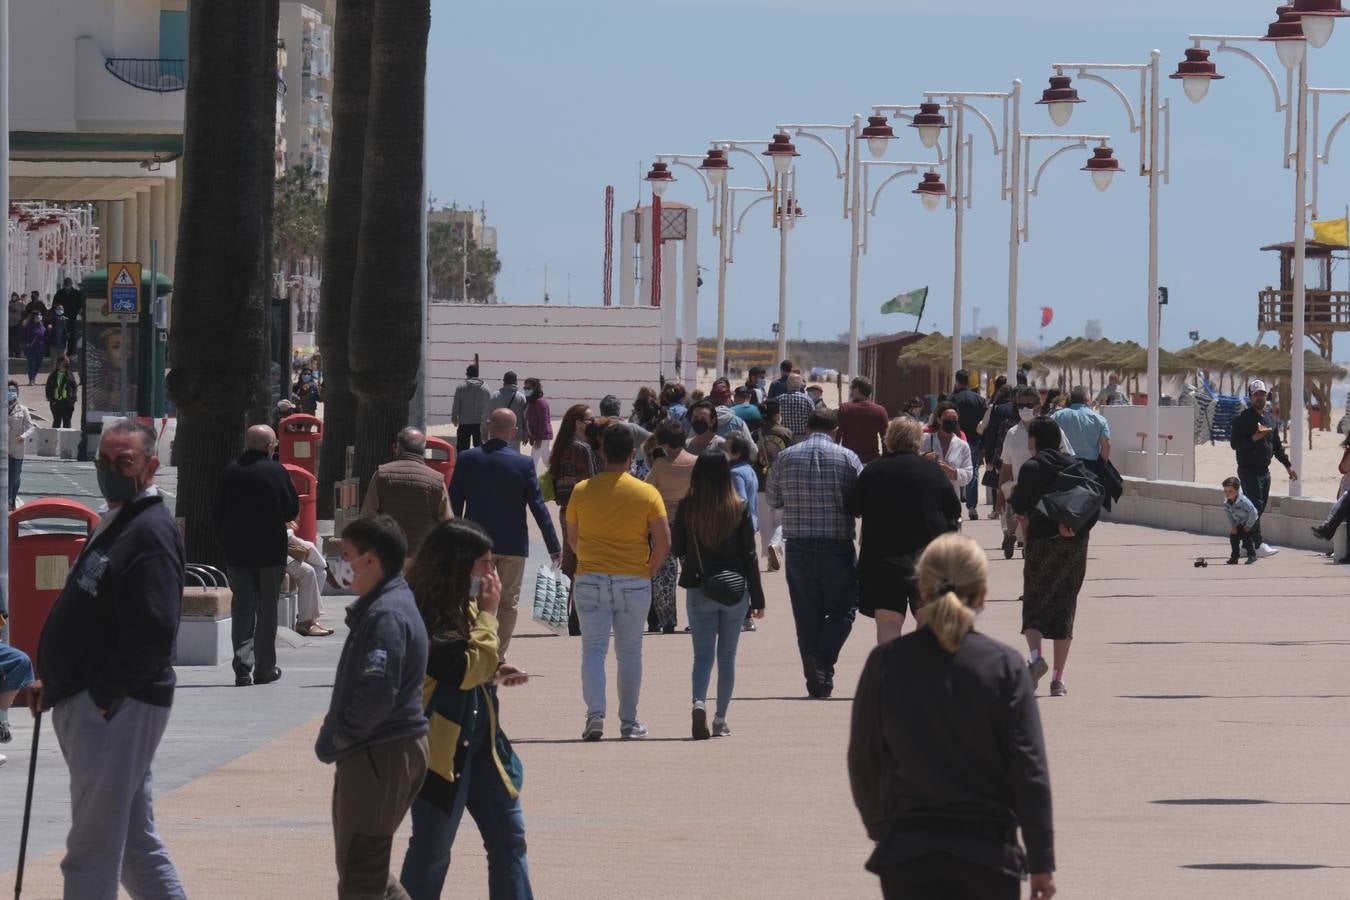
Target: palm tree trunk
[[223, 260], [351, 90], [385, 333]]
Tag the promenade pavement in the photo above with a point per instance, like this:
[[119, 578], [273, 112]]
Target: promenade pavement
[[1200, 754]]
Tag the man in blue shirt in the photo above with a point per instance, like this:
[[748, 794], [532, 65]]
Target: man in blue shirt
[[493, 485], [1086, 431], [780, 386], [746, 410]]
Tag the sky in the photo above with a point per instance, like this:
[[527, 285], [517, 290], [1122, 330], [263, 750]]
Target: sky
[[535, 107]]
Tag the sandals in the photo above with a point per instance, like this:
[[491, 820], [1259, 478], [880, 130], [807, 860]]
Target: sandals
[[312, 629]]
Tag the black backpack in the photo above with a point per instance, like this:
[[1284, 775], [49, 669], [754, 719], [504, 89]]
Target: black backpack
[[1074, 499]]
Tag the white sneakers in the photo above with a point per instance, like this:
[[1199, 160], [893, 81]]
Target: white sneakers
[[1265, 551]]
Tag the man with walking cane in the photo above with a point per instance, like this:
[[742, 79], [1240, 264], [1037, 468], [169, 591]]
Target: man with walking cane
[[105, 659]]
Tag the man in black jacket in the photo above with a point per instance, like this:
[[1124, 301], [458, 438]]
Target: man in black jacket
[[970, 407], [256, 500], [105, 656], [70, 299], [1256, 441]]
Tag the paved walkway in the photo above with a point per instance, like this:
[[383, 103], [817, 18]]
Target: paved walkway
[[1200, 754]]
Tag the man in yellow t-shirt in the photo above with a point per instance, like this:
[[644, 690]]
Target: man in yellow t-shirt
[[618, 529]]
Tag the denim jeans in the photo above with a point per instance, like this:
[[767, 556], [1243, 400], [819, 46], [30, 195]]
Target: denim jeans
[[970, 494], [1256, 485], [15, 470], [823, 586], [717, 632], [497, 814], [35, 357], [620, 603]]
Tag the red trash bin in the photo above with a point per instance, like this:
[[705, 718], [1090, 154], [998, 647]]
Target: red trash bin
[[307, 486], [299, 441], [440, 456], [39, 564]]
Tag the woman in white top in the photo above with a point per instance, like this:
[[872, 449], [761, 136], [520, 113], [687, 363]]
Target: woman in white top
[[946, 445], [21, 428]]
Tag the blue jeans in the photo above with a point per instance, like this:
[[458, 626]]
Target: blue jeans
[[1256, 485], [15, 470], [717, 632], [970, 494], [619, 603], [499, 820], [823, 585], [35, 357]]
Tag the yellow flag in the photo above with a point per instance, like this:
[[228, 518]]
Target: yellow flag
[[1333, 231]]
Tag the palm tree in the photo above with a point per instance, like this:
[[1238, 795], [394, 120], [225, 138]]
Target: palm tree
[[385, 332], [351, 90], [224, 257]]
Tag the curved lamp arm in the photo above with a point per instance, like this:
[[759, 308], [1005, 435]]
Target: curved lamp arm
[[840, 165], [709, 194], [1035, 189], [870, 206], [740, 220], [733, 146], [988, 123], [1224, 46], [1331, 137]]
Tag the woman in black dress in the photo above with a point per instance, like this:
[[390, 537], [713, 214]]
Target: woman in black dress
[[946, 757], [905, 500]]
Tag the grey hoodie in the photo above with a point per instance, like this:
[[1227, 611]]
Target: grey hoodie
[[512, 398], [471, 403]]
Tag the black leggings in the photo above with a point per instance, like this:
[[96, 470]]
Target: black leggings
[[941, 876], [61, 413]]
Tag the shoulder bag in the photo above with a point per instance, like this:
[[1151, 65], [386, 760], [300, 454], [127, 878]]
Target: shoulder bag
[[726, 587]]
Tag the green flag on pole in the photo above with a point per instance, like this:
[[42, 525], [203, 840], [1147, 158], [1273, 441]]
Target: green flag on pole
[[910, 304]]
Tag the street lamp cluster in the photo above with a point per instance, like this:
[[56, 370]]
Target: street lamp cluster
[[1297, 26]]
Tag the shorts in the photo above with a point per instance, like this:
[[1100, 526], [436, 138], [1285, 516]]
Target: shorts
[[16, 669]]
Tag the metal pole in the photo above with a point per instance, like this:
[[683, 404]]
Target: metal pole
[[784, 216], [1154, 306], [724, 226], [855, 213], [1015, 230], [1294, 409], [417, 410], [959, 192]]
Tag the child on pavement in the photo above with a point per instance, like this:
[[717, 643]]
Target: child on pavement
[[1242, 515]]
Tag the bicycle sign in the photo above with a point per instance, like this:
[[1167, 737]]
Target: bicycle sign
[[124, 288]]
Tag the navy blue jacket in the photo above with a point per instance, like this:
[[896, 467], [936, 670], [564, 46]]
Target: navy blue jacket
[[377, 689], [496, 483]]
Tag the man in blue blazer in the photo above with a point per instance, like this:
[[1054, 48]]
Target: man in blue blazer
[[493, 485]]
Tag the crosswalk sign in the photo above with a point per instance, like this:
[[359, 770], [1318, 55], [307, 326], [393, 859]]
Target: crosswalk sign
[[124, 288]]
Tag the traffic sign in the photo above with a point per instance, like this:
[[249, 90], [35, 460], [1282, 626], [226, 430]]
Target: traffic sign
[[124, 288]]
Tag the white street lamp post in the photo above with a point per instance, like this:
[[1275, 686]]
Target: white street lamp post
[[1154, 159], [1288, 36]]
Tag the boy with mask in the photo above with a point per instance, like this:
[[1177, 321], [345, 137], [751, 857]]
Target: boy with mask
[[375, 730]]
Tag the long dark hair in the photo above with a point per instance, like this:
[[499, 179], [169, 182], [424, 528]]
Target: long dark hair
[[439, 576], [712, 510], [567, 432]]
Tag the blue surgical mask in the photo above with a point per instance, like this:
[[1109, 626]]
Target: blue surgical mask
[[306, 377]]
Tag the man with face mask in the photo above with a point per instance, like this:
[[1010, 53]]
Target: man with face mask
[[1256, 441], [1013, 451], [375, 730], [106, 656], [71, 300], [255, 501]]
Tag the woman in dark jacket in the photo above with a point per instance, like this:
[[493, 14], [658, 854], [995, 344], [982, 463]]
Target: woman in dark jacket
[[1056, 556], [712, 533], [946, 757], [905, 501], [61, 391], [470, 763]]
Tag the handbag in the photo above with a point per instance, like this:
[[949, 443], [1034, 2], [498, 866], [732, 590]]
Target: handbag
[[726, 587], [551, 588], [547, 488]]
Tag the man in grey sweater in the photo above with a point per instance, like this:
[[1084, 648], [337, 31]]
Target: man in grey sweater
[[375, 730], [469, 409]]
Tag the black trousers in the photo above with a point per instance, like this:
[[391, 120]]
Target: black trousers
[[467, 436], [253, 613], [62, 410], [1243, 539], [940, 876]]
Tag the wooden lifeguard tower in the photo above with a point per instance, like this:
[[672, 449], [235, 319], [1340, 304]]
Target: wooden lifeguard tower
[[1326, 311]]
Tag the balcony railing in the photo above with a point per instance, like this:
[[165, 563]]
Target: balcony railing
[[160, 75], [1324, 310]]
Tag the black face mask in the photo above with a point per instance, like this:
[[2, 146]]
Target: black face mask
[[116, 487], [699, 426], [950, 425]]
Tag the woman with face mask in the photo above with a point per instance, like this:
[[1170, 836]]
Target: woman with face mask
[[470, 763], [34, 345], [21, 428], [958, 707], [703, 424], [945, 443], [538, 422], [306, 392]]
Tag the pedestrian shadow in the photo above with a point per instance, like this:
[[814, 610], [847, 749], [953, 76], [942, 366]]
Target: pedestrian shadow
[[795, 699], [646, 740], [1259, 867], [1245, 801], [1232, 697], [1229, 643]]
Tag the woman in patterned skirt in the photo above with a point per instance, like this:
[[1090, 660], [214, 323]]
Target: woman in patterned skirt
[[671, 470]]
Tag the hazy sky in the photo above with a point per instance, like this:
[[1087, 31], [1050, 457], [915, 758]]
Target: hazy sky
[[536, 106]]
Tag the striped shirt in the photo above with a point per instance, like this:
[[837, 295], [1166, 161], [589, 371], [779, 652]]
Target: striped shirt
[[809, 481]]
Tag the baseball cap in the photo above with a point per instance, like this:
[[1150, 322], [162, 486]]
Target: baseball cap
[[1257, 385], [285, 406]]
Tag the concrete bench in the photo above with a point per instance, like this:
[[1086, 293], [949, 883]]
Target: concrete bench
[[204, 629]]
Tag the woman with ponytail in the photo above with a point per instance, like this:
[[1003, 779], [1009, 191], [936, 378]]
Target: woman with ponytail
[[946, 757]]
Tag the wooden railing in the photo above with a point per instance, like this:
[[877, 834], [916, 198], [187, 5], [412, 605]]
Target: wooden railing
[[1325, 310]]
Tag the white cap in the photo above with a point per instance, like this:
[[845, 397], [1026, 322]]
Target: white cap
[[1257, 385]]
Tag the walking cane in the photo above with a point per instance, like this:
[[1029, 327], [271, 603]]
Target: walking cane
[[27, 806]]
